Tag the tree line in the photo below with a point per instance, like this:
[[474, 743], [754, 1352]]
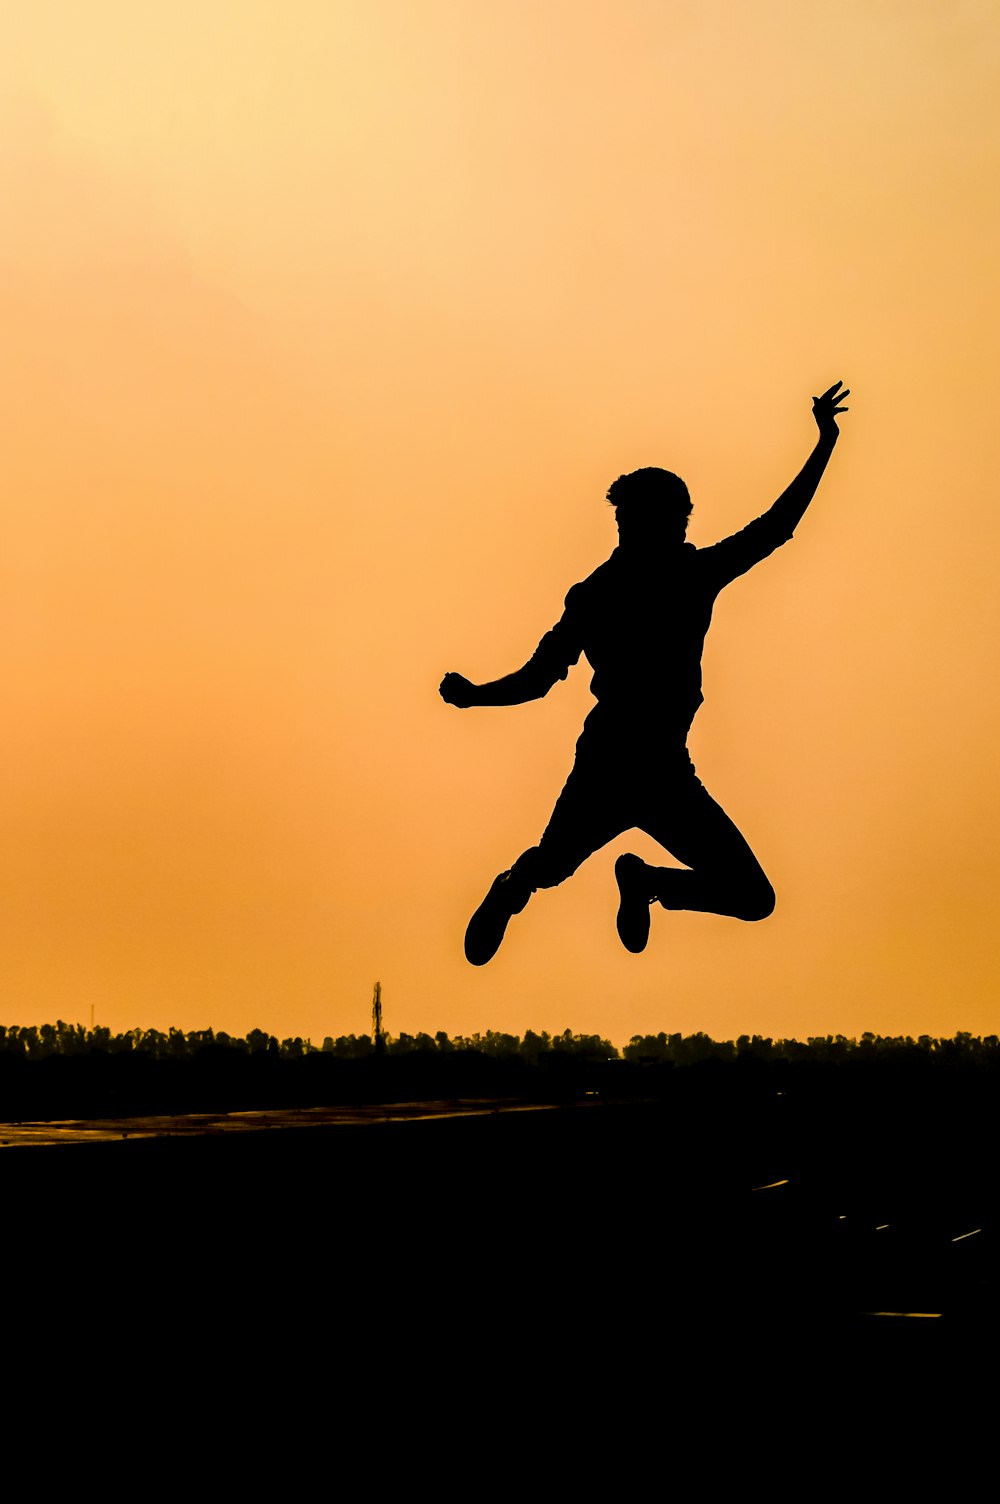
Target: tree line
[[63, 1039], [826, 1049]]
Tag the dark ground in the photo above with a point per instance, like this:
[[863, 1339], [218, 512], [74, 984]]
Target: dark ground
[[711, 1233]]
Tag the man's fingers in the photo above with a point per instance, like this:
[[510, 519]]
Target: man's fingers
[[830, 391]]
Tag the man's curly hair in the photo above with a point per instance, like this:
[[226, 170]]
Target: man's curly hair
[[652, 487]]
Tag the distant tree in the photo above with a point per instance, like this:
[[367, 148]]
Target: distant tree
[[351, 1046], [534, 1044]]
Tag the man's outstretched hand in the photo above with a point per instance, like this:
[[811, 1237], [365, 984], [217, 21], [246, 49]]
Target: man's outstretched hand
[[825, 409], [455, 689]]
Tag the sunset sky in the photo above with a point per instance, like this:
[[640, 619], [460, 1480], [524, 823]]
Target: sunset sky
[[327, 324]]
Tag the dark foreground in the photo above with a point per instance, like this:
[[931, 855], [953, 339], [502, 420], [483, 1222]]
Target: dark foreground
[[573, 1248]]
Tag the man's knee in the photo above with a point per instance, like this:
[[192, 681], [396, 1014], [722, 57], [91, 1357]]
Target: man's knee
[[756, 900]]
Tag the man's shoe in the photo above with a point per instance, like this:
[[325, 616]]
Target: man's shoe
[[488, 923], [631, 874]]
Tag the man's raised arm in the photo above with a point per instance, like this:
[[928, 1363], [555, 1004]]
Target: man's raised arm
[[735, 555], [550, 661]]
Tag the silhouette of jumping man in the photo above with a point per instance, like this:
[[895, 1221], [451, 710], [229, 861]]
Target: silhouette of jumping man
[[641, 620]]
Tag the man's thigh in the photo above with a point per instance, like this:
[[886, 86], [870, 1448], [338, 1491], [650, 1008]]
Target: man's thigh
[[590, 812], [682, 816]]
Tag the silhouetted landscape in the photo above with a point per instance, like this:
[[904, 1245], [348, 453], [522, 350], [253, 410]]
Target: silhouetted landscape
[[64, 1070], [538, 1211]]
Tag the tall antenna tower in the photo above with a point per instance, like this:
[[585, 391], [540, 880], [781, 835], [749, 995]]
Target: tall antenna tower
[[378, 1037]]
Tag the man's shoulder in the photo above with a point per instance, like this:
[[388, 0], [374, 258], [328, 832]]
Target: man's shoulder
[[594, 585], [616, 575]]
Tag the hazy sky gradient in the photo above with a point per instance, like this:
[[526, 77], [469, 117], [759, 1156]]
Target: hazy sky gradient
[[328, 326]]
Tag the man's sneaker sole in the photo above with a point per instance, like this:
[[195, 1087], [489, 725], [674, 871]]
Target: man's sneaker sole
[[489, 923], [633, 908]]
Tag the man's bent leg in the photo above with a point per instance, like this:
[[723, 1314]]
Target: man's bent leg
[[724, 877], [586, 816]]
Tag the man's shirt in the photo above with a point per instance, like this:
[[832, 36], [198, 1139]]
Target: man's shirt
[[641, 623]]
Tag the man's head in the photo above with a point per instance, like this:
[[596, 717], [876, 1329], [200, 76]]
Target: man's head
[[652, 508]]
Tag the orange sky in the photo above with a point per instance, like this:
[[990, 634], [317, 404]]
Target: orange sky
[[327, 326]]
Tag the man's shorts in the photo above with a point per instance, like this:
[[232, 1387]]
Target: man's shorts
[[624, 780]]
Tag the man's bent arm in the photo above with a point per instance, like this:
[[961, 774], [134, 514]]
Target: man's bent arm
[[550, 662], [735, 555]]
